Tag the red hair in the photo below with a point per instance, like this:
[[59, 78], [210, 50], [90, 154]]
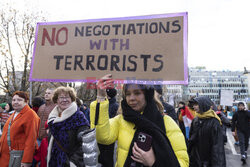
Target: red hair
[[22, 94]]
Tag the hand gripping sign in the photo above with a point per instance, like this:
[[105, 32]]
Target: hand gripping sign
[[133, 49]]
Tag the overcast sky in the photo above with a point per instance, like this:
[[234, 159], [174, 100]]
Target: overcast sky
[[218, 30]]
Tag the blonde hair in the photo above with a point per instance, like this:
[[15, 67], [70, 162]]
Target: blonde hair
[[158, 103]]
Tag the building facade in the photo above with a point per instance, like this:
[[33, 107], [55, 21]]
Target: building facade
[[210, 83]]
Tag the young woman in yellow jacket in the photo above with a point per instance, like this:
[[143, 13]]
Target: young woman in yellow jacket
[[140, 113]]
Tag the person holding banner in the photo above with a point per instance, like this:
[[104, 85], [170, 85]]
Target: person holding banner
[[72, 143], [106, 156], [145, 137]]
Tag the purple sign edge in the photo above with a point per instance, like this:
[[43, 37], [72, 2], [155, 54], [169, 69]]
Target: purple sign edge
[[184, 14], [153, 82], [185, 48]]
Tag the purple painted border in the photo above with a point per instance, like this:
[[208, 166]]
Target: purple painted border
[[185, 46], [116, 81]]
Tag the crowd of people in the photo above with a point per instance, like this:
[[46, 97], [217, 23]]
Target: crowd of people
[[59, 130]]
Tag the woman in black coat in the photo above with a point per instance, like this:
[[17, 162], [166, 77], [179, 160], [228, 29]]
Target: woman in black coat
[[206, 147]]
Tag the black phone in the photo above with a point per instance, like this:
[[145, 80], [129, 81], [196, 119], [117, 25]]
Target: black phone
[[144, 141]]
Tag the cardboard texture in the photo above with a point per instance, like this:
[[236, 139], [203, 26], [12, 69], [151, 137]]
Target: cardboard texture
[[151, 48]]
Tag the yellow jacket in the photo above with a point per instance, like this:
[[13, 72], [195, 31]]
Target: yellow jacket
[[110, 130]]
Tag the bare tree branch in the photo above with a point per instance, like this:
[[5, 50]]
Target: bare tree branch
[[17, 34]]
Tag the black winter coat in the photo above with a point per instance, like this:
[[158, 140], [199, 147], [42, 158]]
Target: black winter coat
[[241, 121], [225, 122], [169, 110], [206, 147]]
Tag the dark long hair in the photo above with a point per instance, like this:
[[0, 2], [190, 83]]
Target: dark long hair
[[11, 108]]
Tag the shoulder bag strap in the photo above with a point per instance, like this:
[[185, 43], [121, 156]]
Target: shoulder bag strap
[[8, 134], [97, 113], [61, 147]]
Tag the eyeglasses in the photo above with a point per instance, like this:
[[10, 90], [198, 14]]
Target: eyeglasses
[[64, 98]]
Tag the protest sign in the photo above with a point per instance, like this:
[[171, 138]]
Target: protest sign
[[226, 97], [132, 49]]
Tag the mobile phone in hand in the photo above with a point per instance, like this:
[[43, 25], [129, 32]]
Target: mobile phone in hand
[[144, 141]]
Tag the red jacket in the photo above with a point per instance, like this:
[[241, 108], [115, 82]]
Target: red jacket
[[41, 153]]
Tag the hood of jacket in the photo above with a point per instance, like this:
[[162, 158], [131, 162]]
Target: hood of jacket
[[204, 103]]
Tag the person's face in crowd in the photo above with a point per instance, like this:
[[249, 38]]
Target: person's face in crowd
[[180, 105], [233, 109], [7, 107], [18, 103], [241, 107], [135, 98], [196, 108], [48, 95], [64, 101], [219, 108]]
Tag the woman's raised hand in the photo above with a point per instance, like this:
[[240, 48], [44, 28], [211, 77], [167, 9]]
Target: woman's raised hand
[[106, 82]]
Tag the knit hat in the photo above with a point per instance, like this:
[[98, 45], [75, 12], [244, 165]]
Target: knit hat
[[111, 92], [2, 105]]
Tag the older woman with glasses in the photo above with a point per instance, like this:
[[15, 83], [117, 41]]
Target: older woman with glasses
[[72, 143]]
